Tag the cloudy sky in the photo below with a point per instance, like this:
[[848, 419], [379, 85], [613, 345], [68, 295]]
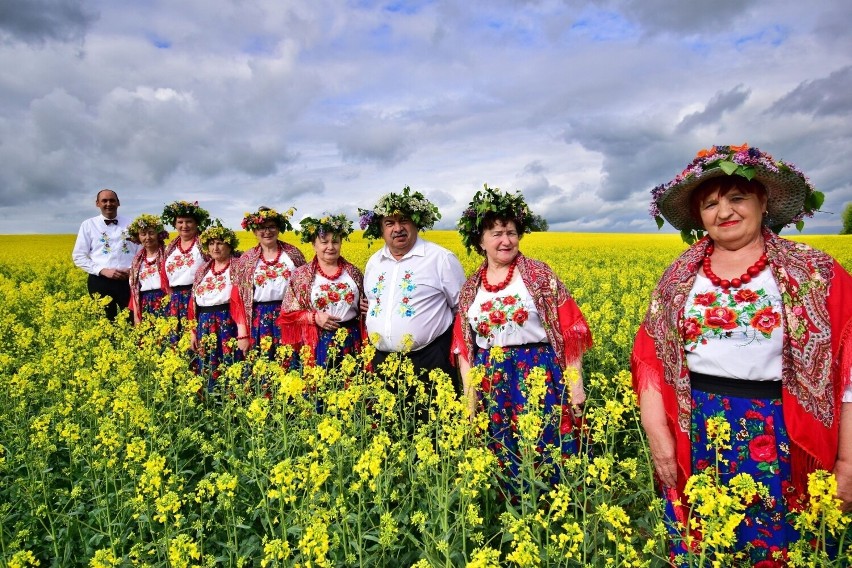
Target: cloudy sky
[[325, 105]]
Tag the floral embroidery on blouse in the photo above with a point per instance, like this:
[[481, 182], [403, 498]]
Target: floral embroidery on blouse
[[212, 283], [407, 287], [106, 248], [179, 261], [334, 293], [377, 291], [500, 313], [148, 270], [744, 313], [267, 272]]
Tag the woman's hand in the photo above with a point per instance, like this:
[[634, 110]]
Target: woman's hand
[[660, 438], [244, 344], [326, 321], [194, 336]]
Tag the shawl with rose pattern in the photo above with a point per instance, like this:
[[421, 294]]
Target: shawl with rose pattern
[[564, 324], [816, 360], [297, 326], [244, 276]]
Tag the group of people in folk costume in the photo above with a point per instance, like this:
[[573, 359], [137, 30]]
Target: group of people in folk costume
[[744, 325]]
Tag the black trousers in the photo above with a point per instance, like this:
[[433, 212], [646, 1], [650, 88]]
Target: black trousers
[[117, 290]]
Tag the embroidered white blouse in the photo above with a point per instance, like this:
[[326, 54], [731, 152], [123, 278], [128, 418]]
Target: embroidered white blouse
[[506, 318]]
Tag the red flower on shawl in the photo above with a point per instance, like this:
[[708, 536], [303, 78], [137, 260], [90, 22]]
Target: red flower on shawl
[[705, 299], [762, 448], [520, 316], [765, 320], [746, 296], [722, 317]]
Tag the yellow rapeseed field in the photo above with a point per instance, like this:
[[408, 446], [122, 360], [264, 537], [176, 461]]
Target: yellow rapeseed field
[[110, 457]]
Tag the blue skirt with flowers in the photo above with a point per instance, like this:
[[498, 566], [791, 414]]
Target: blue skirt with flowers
[[154, 302], [349, 346], [759, 447], [217, 337], [263, 326], [504, 391]]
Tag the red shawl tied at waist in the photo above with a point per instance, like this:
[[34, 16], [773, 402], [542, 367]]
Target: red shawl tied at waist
[[816, 356], [297, 326], [564, 324], [242, 294], [135, 266]]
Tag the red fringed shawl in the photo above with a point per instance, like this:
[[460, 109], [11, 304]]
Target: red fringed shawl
[[564, 324], [243, 293], [297, 326], [817, 357]]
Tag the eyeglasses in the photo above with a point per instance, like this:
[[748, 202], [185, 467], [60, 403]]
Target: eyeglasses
[[267, 229]]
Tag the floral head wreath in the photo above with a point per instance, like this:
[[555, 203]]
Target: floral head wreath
[[146, 222], [408, 204], [790, 197], [312, 228], [499, 204], [217, 231], [254, 221], [186, 209]]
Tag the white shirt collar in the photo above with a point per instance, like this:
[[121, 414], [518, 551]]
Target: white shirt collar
[[419, 249]]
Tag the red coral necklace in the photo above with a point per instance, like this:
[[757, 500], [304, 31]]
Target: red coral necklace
[[497, 287], [275, 260], [746, 277], [189, 248], [220, 272], [332, 277]]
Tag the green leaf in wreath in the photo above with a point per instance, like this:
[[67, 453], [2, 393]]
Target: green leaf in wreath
[[728, 167]]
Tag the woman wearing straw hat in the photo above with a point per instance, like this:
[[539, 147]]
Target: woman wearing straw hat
[[149, 286], [214, 337], [262, 275], [324, 295], [515, 315], [748, 329]]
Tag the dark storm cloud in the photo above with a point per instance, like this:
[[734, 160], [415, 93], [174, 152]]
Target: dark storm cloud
[[829, 96], [39, 21], [718, 105]]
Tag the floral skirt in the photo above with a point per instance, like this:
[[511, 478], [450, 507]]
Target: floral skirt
[[217, 337], [504, 391], [154, 302], [759, 447], [179, 308], [263, 316], [350, 345]]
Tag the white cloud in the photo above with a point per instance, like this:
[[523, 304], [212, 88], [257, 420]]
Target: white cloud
[[583, 105]]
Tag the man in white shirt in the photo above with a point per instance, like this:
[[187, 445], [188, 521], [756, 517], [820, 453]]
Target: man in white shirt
[[102, 250], [411, 285]]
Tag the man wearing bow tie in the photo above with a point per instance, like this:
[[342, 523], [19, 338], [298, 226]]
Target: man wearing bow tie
[[102, 250]]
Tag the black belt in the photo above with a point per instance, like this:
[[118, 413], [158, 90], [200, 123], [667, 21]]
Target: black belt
[[182, 288], [540, 345], [269, 303], [735, 387], [216, 308]]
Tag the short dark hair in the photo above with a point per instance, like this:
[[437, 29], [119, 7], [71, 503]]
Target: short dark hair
[[722, 184], [489, 221], [98, 196]]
